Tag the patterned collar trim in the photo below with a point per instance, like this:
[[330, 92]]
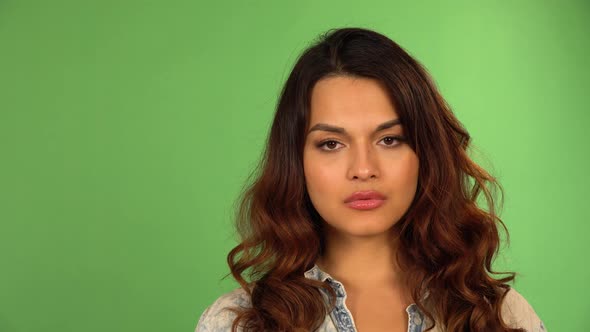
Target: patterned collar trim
[[316, 273]]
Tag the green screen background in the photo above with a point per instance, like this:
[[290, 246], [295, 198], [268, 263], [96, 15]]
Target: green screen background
[[127, 129]]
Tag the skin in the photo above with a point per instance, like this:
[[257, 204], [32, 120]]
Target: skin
[[360, 245]]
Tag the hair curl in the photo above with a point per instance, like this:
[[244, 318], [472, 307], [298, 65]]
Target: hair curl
[[447, 242]]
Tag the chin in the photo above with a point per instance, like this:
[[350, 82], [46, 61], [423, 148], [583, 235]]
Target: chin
[[364, 227]]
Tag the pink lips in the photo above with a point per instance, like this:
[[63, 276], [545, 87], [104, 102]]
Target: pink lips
[[365, 200]]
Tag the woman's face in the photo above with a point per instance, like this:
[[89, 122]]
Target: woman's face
[[355, 157]]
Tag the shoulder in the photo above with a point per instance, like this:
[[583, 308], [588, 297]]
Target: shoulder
[[517, 312], [217, 316]]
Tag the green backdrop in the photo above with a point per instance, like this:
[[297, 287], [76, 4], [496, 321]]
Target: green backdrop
[[127, 129]]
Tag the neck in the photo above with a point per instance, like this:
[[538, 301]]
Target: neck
[[361, 260]]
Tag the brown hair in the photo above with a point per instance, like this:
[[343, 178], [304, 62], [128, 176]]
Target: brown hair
[[447, 242]]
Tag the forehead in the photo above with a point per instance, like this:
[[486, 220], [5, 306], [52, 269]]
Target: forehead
[[349, 100]]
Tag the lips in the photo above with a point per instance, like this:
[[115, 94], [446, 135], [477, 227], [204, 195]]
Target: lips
[[365, 195]]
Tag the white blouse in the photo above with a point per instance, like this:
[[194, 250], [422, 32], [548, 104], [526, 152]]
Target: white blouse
[[516, 311]]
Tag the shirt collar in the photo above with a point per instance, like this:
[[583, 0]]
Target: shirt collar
[[316, 273]]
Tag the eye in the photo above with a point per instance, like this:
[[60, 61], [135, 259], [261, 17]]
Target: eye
[[329, 143], [393, 140]]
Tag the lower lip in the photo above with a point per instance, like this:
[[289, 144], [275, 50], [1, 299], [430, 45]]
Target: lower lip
[[365, 204]]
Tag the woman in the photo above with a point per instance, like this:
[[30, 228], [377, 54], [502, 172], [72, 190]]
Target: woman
[[363, 215]]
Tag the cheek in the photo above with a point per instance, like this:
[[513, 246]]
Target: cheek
[[324, 182], [320, 178], [406, 175]]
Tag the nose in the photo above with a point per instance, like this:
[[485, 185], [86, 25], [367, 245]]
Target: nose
[[363, 164]]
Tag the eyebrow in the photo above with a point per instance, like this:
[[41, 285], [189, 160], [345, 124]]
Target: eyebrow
[[340, 130]]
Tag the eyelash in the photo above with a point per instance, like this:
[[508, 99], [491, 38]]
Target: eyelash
[[397, 138]]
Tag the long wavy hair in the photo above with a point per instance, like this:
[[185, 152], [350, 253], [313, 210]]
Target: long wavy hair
[[446, 241]]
